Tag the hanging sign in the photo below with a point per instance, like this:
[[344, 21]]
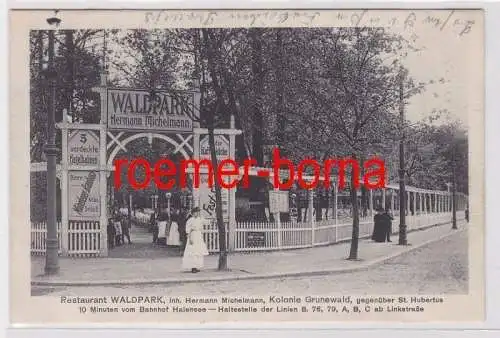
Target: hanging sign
[[207, 194], [83, 148], [139, 110], [256, 239], [83, 192]]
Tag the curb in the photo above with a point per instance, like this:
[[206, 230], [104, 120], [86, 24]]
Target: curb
[[166, 281]]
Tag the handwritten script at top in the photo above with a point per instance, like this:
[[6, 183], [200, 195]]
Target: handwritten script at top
[[439, 19]]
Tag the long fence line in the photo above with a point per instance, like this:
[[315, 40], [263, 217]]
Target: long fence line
[[84, 237]]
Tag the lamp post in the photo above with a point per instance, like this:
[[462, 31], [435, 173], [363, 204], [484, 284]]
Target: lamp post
[[52, 242], [168, 196], [293, 211], [402, 189], [454, 199]]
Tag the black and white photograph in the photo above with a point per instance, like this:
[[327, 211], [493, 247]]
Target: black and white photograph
[[249, 165]]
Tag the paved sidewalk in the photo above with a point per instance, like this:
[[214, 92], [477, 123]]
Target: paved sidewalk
[[313, 261]]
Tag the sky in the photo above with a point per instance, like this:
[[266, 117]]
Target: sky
[[458, 59]]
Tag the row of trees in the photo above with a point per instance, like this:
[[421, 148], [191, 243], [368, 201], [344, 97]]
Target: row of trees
[[316, 93]]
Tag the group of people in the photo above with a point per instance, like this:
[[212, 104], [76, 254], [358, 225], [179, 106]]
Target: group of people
[[382, 227], [185, 230], [169, 228]]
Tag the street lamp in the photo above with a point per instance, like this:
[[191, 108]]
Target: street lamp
[[52, 242], [402, 189], [168, 196], [453, 199], [293, 211]]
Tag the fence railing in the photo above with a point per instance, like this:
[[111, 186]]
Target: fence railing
[[39, 237], [264, 236], [84, 237]]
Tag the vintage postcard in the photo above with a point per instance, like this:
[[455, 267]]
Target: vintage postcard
[[203, 166]]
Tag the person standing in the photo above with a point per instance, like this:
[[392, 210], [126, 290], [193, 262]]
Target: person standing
[[111, 233], [196, 248], [173, 238], [388, 224], [162, 223], [154, 226], [183, 218], [118, 230], [125, 231], [379, 226]]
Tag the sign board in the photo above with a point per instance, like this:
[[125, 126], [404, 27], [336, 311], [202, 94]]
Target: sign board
[[207, 194], [83, 192], [221, 148], [207, 200], [83, 148], [278, 201], [138, 110], [256, 239]]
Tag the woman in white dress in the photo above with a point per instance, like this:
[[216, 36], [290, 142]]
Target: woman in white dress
[[195, 246], [173, 234]]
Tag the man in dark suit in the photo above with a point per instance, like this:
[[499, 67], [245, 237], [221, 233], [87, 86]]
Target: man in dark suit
[[154, 226], [111, 233], [379, 226], [182, 219], [388, 224]]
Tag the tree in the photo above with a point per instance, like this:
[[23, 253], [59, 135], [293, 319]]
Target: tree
[[77, 67], [357, 96]]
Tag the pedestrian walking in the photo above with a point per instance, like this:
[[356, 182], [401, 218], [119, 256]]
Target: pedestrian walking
[[196, 248], [467, 214]]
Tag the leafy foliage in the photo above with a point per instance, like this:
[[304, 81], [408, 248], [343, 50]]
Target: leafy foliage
[[313, 93]]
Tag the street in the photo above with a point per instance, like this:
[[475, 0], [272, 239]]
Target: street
[[438, 268]]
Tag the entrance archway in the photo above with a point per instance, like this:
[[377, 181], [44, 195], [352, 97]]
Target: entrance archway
[[139, 207], [116, 145], [88, 152]]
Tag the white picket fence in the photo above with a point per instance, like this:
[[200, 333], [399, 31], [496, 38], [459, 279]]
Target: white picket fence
[[292, 235], [39, 237], [84, 237]]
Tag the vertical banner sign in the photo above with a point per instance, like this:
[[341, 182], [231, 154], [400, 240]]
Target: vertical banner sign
[[84, 200], [207, 194]]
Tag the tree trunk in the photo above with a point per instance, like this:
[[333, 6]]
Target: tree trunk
[[258, 89], [280, 83], [218, 202], [210, 120], [129, 210], [353, 254]]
